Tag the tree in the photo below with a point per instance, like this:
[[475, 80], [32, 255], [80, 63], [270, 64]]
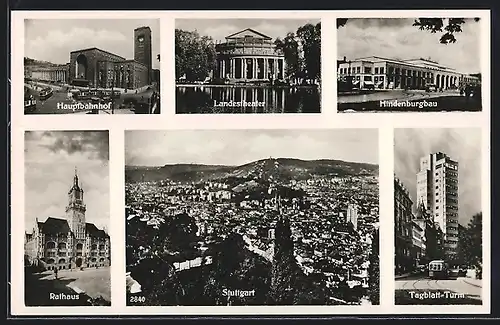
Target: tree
[[374, 270], [310, 36], [194, 55], [290, 48], [448, 26], [282, 271]]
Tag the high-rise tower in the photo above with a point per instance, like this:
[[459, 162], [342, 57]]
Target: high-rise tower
[[75, 211], [437, 189], [142, 48]]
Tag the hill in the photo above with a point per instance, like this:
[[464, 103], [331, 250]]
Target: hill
[[282, 168], [33, 62]]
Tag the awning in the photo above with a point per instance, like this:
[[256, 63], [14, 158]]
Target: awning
[[368, 83]]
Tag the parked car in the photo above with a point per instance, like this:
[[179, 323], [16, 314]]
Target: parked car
[[430, 88]]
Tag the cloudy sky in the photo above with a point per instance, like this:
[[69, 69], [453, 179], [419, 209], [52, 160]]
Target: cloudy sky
[[462, 145], [50, 161], [218, 29], [53, 39], [237, 147], [397, 38]]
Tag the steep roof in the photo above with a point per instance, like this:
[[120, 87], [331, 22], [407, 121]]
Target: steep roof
[[54, 226], [249, 32], [95, 232]]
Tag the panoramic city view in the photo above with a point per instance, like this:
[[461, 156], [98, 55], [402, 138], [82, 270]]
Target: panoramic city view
[[248, 66], [252, 217], [67, 252], [92, 66], [408, 64], [438, 217]]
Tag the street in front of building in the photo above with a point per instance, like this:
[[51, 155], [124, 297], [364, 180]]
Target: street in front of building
[[421, 290]]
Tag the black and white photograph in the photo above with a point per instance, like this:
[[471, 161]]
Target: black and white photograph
[[438, 216], [248, 66], [92, 66], [67, 252], [408, 65], [252, 217]]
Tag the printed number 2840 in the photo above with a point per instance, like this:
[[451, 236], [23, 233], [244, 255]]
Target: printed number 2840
[[137, 299]]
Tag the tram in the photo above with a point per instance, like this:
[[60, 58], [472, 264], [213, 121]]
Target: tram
[[438, 269]]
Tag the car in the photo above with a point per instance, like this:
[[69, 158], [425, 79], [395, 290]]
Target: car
[[430, 88]]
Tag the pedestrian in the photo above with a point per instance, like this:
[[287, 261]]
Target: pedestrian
[[55, 273]]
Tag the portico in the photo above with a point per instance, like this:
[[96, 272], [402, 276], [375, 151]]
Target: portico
[[249, 56]]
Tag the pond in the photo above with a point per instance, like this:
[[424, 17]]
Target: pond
[[248, 99]]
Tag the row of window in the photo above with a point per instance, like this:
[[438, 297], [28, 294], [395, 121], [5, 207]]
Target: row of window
[[392, 70], [79, 246]]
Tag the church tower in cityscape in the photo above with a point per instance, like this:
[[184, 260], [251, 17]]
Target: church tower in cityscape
[[143, 49], [75, 211]]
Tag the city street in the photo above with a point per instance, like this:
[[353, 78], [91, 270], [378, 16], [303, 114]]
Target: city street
[[420, 290], [127, 103], [94, 282]]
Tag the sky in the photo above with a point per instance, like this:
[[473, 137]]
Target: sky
[[462, 145], [50, 159], [218, 29], [397, 38], [53, 39], [238, 147]]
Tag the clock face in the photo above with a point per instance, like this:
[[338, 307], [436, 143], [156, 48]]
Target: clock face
[[141, 39]]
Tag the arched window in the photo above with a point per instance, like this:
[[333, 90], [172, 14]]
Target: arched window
[[62, 246], [51, 245], [94, 246], [62, 261], [101, 247], [79, 246], [51, 261]]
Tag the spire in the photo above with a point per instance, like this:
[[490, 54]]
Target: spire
[[75, 178]]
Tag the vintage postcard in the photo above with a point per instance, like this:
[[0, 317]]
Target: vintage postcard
[[91, 66], [409, 64], [244, 188], [248, 65], [438, 216]]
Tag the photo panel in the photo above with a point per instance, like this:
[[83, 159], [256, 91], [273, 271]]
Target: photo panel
[[247, 66], [252, 217], [408, 65], [438, 224], [67, 251], [92, 66]]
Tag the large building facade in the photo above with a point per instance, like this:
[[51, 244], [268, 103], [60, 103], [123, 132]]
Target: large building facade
[[437, 189], [71, 242], [249, 56], [385, 73], [403, 235], [93, 67]]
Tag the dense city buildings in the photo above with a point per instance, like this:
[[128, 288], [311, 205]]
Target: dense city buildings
[[97, 68], [249, 55], [70, 242], [437, 188], [386, 73], [317, 230]]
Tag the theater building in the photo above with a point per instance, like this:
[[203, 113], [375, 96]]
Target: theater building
[[383, 73], [249, 56], [70, 242]]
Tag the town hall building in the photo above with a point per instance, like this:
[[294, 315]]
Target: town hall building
[[71, 242]]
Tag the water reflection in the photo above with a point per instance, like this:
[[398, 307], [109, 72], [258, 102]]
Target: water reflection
[[210, 99]]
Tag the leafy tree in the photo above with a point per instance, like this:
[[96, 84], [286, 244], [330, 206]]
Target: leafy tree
[[310, 36], [194, 55], [283, 272], [290, 48], [449, 27]]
